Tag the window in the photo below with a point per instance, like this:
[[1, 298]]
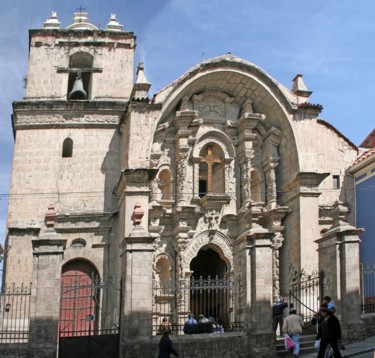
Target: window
[[336, 182], [67, 150], [78, 244]]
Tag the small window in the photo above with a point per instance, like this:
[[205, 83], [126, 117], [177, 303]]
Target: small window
[[336, 182], [67, 150], [78, 244]]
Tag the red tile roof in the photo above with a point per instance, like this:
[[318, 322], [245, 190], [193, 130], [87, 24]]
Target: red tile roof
[[365, 155]]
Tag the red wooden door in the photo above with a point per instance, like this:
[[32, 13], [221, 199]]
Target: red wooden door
[[79, 300]]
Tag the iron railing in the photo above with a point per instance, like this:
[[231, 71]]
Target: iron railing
[[368, 288], [305, 292], [212, 298], [15, 314]]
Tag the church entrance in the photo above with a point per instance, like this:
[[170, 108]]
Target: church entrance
[[209, 294], [80, 331]]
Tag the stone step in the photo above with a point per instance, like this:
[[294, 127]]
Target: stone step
[[307, 342]]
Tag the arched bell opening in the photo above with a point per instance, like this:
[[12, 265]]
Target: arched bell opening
[[210, 289], [80, 76]]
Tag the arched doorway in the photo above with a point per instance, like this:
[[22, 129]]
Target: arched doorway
[[209, 286], [79, 299]]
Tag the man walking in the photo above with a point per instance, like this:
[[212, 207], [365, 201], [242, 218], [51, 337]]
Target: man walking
[[293, 327]]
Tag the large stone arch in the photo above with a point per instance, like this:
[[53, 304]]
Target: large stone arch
[[243, 81], [215, 240]]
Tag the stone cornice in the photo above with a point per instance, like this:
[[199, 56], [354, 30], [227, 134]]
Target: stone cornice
[[52, 114]]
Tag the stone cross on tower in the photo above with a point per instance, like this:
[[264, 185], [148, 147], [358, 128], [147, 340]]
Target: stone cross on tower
[[210, 159]]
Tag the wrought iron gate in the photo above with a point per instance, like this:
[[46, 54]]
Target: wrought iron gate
[[214, 298], [86, 329], [305, 292]]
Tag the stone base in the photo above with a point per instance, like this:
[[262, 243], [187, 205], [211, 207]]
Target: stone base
[[212, 345]]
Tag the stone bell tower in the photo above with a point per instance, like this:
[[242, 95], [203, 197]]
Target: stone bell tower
[[67, 154]]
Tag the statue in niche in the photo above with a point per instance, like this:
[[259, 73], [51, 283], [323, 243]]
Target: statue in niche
[[212, 219]]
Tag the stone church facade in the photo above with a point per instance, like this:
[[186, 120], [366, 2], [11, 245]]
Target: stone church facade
[[224, 172]]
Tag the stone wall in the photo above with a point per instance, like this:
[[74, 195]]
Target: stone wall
[[14, 350], [229, 345]]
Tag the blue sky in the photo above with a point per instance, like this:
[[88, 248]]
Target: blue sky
[[330, 42]]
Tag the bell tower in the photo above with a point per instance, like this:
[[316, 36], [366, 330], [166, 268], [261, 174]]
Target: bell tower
[[80, 62], [67, 149]]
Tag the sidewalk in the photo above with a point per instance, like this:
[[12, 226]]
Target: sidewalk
[[353, 349]]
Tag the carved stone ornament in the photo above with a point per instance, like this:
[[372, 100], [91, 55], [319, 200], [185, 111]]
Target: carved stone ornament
[[138, 214], [50, 216]]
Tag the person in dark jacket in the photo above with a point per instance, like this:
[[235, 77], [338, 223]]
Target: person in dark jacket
[[329, 333], [278, 313], [166, 346]]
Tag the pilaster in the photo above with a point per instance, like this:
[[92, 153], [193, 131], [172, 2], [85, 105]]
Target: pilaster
[[339, 261], [48, 253], [137, 263], [259, 244]]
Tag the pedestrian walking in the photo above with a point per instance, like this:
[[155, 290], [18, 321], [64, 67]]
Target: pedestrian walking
[[293, 327], [166, 346], [329, 333]]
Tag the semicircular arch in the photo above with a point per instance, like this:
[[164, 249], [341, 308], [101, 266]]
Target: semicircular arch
[[217, 137], [216, 240], [84, 256]]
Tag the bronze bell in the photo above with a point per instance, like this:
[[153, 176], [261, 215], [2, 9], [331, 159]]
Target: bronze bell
[[77, 92]]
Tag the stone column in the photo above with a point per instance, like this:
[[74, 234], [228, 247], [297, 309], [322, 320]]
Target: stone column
[[246, 124], [182, 122], [182, 278], [270, 162], [261, 334], [339, 261], [45, 300], [270, 174]]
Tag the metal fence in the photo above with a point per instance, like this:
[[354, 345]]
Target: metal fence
[[214, 299], [15, 314], [305, 291], [368, 288]]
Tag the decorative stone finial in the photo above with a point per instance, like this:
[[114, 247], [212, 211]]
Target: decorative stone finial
[[113, 24], [141, 85], [339, 214], [52, 22], [138, 214], [50, 216], [299, 88]]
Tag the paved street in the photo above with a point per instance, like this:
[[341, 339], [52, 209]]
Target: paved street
[[366, 355]]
